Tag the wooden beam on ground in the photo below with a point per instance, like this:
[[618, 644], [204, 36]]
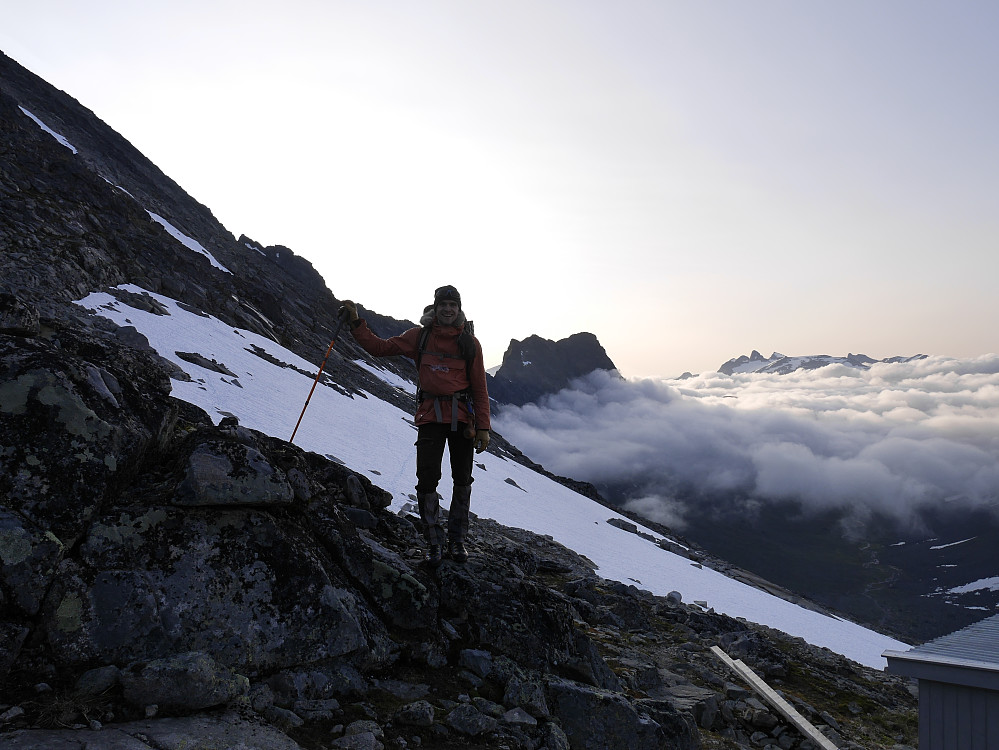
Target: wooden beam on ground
[[770, 696]]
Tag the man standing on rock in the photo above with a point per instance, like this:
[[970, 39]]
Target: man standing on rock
[[452, 409]]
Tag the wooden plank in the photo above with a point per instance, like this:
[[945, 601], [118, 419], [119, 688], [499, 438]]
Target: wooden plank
[[770, 696]]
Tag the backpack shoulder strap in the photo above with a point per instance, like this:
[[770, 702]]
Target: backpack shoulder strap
[[469, 349], [421, 347]]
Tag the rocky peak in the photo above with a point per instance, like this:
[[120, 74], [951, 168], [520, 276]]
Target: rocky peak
[[536, 366]]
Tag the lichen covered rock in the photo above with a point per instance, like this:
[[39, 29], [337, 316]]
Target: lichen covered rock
[[237, 584], [183, 682]]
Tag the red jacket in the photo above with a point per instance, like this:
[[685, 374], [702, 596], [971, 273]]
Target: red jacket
[[438, 375]]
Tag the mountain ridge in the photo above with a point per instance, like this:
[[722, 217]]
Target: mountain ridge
[[781, 364]]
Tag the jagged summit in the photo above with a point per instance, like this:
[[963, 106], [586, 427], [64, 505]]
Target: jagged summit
[[780, 364], [537, 366]]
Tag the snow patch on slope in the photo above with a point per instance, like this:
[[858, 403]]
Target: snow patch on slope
[[50, 131], [189, 242]]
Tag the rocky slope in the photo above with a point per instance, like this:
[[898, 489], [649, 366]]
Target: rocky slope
[[156, 565], [168, 582]]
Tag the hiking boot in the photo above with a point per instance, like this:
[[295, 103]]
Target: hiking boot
[[434, 556], [456, 550]]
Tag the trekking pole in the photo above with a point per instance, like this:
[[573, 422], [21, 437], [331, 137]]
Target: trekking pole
[[318, 375]]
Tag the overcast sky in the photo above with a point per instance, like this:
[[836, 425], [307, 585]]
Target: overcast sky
[[687, 180]]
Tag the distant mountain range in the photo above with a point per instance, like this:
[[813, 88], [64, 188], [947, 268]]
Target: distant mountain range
[[781, 364]]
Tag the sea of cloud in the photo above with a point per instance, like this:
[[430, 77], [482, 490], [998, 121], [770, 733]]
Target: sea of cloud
[[889, 441]]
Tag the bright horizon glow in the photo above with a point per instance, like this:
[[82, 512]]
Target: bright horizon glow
[[688, 181]]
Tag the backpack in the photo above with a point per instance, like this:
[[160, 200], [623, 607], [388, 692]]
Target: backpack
[[466, 348], [466, 351]]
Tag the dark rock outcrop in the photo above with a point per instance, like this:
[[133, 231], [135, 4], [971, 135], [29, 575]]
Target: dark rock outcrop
[[535, 367]]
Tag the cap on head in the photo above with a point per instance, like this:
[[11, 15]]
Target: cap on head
[[446, 292]]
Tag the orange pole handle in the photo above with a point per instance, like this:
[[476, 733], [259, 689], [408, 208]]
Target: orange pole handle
[[316, 381]]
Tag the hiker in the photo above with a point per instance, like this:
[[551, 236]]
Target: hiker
[[452, 408]]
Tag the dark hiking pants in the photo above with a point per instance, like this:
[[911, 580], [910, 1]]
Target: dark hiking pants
[[430, 442]]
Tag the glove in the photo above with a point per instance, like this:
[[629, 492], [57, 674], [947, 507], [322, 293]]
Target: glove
[[348, 311], [481, 441]]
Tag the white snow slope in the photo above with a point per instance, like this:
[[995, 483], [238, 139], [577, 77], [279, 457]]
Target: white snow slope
[[376, 439]]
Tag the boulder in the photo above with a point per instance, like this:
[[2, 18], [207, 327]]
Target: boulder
[[28, 560], [231, 473], [184, 682], [417, 714], [240, 585], [64, 445], [527, 694], [595, 719], [468, 720]]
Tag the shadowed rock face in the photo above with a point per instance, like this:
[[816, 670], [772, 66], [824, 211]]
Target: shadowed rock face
[[77, 412], [535, 367]]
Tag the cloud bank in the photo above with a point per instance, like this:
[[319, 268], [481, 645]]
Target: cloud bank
[[890, 440]]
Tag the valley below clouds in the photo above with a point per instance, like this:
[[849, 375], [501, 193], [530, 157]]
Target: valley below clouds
[[888, 442]]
